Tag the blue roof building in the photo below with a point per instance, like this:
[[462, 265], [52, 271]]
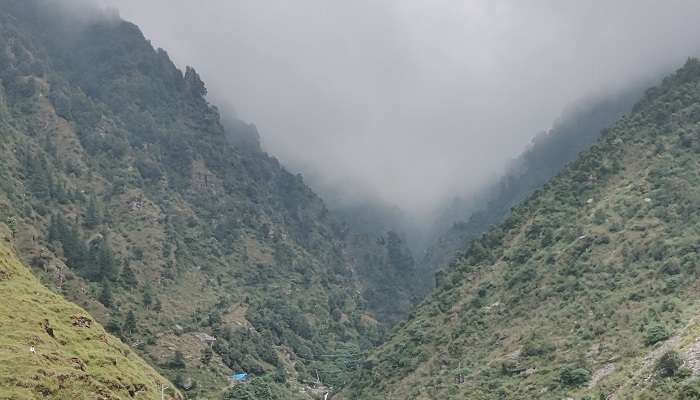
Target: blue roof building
[[239, 377]]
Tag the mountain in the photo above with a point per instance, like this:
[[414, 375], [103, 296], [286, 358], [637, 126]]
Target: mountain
[[130, 195], [576, 129], [383, 240], [587, 290], [73, 358]]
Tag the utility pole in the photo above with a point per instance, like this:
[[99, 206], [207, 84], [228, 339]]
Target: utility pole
[[162, 391]]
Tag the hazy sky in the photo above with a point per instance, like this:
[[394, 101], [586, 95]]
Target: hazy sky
[[413, 101]]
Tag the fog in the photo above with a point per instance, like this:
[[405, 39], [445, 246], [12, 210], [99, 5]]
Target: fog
[[412, 102]]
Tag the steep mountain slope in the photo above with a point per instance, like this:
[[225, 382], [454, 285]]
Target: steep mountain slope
[[388, 274], [73, 358], [576, 130], [132, 197], [383, 240], [587, 290]]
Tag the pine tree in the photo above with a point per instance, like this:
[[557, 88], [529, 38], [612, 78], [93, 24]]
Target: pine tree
[[73, 247], [39, 180], [103, 264], [129, 326], [108, 264], [56, 226], [106, 296], [114, 326], [147, 296], [178, 360], [59, 193], [194, 82], [92, 217], [128, 277]]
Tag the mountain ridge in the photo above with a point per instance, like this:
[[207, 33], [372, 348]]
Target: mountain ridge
[[549, 152], [134, 198], [575, 292]]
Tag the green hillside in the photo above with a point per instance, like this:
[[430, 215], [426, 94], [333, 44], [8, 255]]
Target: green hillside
[[573, 132], [588, 290], [74, 357], [134, 198]]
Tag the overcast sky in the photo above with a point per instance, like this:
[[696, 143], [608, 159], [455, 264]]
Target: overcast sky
[[414, 101]]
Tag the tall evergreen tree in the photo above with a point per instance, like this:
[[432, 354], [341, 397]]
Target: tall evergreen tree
[[58, 191], [73, 246], [92, 216], [194, 82], [128, 277], [103, 264], [147, 296], [39, 179], [56, 227], [106, 295], [129, 326]]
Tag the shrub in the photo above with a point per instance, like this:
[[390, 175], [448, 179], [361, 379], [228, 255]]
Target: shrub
[[655, 334], [669, 364], [690, 391], [574, 376], [207, 355], [178, 361], [537, 347], [11, 223], [510, 367]]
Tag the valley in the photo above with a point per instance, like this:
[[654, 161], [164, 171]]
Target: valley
[[150, 247]]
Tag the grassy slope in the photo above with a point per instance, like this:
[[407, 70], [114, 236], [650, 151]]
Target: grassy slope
[[78, 363], [576, 279]]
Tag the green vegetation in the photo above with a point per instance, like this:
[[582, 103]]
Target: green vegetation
[[669, 364], [135, 199], [73, 358], [574, 376], [586, 290], [550, 151], [656, 334], [125, 191]]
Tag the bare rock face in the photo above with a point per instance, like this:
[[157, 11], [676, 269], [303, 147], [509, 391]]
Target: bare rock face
[[186, 383], [601, 373], [317, 392], [47, 327], [692, 357], [81, 321]]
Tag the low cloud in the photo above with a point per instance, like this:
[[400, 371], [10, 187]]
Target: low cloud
[[413, 101]]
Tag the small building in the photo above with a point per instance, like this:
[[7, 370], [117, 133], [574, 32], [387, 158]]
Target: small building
[[239, 377]]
